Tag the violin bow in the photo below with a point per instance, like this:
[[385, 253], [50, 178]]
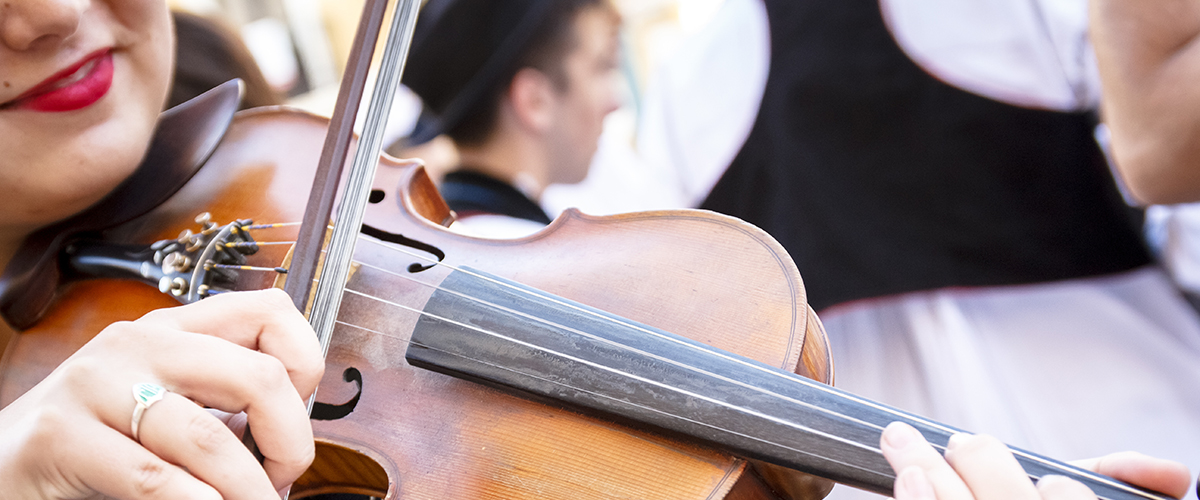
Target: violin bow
[[357, 189], [306, 255]]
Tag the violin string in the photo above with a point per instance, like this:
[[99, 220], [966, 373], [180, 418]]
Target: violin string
[[888, 474], [585, 334], [597, 338], [278, 270], [249, 244], [619, 373], [1054, 465], [876, 450], [270, 226], [631, 376], [635, 377], [395, 248], [642, 329], [810, 383], [727, 356]]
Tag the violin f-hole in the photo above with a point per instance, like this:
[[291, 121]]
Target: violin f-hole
[[400, 239], [325, 411]]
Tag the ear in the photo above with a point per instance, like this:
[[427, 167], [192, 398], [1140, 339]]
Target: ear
[[532, 97]]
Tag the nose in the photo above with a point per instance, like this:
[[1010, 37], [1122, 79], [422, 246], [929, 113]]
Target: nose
[[30, 24]]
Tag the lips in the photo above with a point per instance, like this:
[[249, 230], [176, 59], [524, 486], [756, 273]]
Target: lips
[[76, 87]]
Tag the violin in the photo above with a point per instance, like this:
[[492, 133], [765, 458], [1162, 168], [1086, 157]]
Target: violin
[[390, 429], [656, 355], [444, 436]]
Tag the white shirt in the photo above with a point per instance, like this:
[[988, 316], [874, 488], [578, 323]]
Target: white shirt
[[701, 104]]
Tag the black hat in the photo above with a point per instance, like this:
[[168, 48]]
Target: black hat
[[461, 50]]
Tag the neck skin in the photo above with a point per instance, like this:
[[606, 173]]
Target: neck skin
[[513, 153]]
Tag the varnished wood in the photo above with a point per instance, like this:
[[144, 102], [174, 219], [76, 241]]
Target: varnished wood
[[817, 362], [754, 487], [705, 276], [7, 334]]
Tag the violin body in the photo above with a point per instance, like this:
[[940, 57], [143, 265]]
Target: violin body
[[389, 429]]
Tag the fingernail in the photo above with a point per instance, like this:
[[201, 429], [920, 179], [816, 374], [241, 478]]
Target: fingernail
[[1054, 482], [899, 435], [956, 440], [912, 484]]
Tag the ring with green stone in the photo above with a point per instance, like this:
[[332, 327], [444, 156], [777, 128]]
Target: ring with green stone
[[145, 394]]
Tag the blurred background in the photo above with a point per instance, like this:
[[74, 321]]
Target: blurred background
[[301, 46]]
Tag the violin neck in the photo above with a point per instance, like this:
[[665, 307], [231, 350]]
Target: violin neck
[[493, 331]]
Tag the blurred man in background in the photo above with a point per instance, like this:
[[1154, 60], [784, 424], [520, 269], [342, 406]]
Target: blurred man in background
[[522, 88]]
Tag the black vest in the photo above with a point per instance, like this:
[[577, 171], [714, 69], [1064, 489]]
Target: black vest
[[471, 193], [880, 179]]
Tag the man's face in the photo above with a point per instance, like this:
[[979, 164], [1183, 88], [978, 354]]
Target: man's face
[[591, 94]]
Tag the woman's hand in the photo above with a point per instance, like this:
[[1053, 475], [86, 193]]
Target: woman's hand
[[982, 468], [71, 436]]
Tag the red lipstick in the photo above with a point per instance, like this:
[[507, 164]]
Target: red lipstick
[[76, 87]]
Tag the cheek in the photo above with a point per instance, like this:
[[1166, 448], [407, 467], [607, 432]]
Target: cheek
[[62, 176], [606, 95], [144, 26], [142, 19], [602, 103], [55, 167], [154, 58]]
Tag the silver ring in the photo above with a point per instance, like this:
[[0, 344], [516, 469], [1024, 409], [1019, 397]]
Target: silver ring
[[145, 394]]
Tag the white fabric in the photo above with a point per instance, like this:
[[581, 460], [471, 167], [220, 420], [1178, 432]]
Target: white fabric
[[1032, 53], [495, 227], [1174, 233], [699, 109], [1071, 369], [701, 104]]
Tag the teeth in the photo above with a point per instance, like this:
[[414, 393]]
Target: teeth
[[75, 77]]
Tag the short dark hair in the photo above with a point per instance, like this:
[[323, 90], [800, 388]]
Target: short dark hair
[[439, 68]]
